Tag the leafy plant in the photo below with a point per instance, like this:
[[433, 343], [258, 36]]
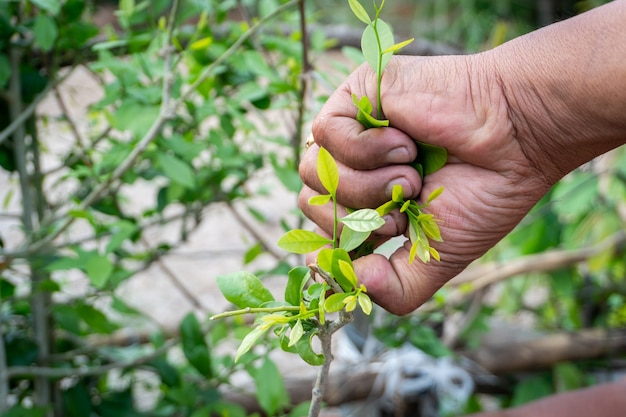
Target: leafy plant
[[377, 45], [304, 313]]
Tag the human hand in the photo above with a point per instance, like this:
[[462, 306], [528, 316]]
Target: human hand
[[489, 182]]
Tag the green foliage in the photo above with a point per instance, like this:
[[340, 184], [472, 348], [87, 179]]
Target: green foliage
[[186, 93]]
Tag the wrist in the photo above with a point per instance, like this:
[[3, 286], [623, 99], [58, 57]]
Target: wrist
[[564, 88]]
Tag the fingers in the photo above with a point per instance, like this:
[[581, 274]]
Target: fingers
[[364, 149], [361, 188], [397, 286]]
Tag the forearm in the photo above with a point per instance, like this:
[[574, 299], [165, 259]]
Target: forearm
[[606, 400], [566, 88]]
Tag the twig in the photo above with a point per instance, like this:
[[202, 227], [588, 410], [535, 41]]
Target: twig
[[325, 336], [256, 235], [56, 373], [486, 275], [176, 281], [254, 310]]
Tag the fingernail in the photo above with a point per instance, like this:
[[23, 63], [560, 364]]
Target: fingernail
[[406, 187], [398, 156]]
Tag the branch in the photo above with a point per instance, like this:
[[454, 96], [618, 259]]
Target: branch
[[57, 373], [256, 235], [489, 274], [545, 351], [168, 109]]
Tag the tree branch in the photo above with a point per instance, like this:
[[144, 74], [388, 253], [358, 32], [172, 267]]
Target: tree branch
[[489, 274], [57, 373]]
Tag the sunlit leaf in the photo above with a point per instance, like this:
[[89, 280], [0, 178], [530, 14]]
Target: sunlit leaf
[[327, 171], [334, 302], [394, 48], [365, 302], [405, 206], [250, 340], [386, 208], [436, 193], [397, 193], [431, 229], [350, 240], [372, 51], [296, 333], [359, 11], [363, 220], [302, 241], [337, 273], [347, 271], [364, 115], [244, 289], [350, 302], [319, 200]]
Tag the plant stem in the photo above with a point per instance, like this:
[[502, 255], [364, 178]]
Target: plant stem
[[255, 310], [57, 373], [326, 336]]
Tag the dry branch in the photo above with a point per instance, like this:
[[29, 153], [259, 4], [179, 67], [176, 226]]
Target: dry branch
[[347, 385], [548, 350], [483, 276]]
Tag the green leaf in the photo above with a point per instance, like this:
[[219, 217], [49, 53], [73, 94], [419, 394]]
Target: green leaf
[[431, 229], [270, 386], [365, 303], [319, 200], [350, 240], [436, 193], [45, 31], [371, 49], [176, 169], [252, 253], [296, 333], [194, 345], [95, 319], [359, 11], [250, 340], [395, 48], [347, 270], [302, 241], [397, 193], [325, 259], [296, 280], [122, 230], [430, 157], [336, 271], [99, 269], [304, 348], [51, 6], [386, 208], [334, 302], [363, 220], [327, 171], [244, 289], [364, 115]]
